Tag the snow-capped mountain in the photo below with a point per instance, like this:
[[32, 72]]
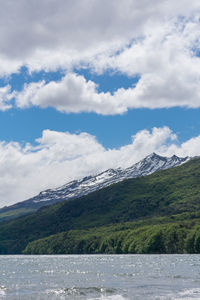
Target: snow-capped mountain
[[77, 188]]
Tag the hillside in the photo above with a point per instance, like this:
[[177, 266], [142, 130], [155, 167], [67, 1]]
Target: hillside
[[135, 209], [89, 184]]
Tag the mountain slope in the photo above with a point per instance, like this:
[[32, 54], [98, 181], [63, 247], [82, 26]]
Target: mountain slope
[[171, 195], [177, 237], [78, 188]]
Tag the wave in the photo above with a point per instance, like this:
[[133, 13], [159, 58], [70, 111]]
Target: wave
[[187, 294], [90, 293], [113, 297], [2, 290]]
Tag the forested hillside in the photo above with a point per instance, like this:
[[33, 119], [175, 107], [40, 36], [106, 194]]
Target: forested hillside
[[159, 213]]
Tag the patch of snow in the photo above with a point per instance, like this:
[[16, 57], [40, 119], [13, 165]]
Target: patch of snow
[[86, 185]]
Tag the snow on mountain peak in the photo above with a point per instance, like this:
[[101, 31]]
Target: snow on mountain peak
[[86, 185]]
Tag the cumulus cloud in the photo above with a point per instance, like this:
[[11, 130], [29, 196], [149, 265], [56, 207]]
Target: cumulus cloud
[[158, 42], [59, 157], [167, 61], [72, 94], [43, 34], [5, 97]]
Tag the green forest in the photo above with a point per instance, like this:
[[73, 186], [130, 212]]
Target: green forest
[[159, 213]]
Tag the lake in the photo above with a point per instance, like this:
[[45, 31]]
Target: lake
[[102, 277]]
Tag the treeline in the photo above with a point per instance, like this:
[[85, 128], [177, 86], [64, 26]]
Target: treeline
[[159, 213], [165, 239]]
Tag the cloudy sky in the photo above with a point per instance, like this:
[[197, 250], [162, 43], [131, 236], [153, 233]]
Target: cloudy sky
[[88, 85]]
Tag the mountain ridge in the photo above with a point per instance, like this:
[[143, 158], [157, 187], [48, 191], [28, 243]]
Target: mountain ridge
[[84, 186], [148, 214]]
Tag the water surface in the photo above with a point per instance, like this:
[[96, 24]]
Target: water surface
[[101, 277]]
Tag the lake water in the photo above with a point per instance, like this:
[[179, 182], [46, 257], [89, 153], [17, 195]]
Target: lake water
[[102, 277]]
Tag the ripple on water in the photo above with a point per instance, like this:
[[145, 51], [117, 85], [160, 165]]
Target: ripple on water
[[92, 292], [113, 297], [187, 294], [194, 293], [2, 290]]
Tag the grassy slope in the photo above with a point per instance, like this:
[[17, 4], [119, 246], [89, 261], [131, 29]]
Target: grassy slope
[[14, 213], [168, 196]]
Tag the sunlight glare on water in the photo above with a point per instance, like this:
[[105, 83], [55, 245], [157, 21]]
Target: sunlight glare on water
[[100, 277]]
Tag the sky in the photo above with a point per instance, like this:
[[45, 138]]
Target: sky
[[88, 85]]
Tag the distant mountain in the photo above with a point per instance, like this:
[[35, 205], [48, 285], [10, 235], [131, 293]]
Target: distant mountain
[[81, 187], [159, 213]]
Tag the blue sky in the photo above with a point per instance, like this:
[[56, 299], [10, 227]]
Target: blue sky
[[103, 127], [86, 86], [111, 131]]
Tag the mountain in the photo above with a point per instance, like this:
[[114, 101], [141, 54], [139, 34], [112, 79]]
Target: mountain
[[81, 187], [159, 213]]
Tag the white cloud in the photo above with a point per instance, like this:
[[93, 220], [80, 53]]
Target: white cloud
[[157, 41], [166, 61], [5, 97], [59, 157], [47, 35], [72, 94]]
